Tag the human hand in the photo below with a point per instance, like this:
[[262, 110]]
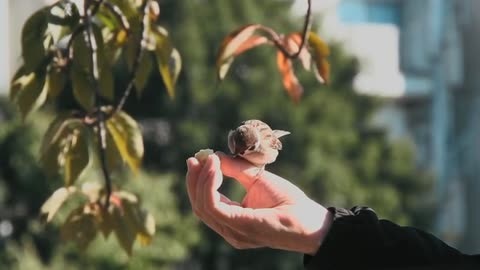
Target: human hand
[[274, 212]]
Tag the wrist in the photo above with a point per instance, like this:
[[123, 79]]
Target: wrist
[[317, 229]]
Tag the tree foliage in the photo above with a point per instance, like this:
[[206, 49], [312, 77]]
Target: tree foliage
[[80, 42]]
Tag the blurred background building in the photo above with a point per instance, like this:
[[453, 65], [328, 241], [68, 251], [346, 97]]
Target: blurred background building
[[423, 57]]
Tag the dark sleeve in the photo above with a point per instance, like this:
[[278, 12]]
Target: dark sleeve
[[357, 238]]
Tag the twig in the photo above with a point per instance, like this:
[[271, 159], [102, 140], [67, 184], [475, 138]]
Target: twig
[[138, 57], [95, 76], [117, 12], [95, 7], [75, 33], [277, 40], [306, 29]]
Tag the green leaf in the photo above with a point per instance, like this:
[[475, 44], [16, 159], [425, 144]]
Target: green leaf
[[50, 147], [56, 200], [143, 73], [81, 52], [127, 137], [320, 51], [322, 70], [175, 65], [125, 233], [127, 7], [56, 79], [57, 32], [82, 88], [106, 223], [129, 221], [168, 60], [19, 81], [148, 229], [63, 13], [31, 94], [106, 84], [235, 43], [33, 37], [136, 220], [80, 227], [107, 20], [114, 159], [82, 79], [75, 154], [65, 146], [144, 67]]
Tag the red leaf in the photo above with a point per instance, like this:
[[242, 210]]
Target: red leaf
[[250, 43], [236, 43], [290, 81]]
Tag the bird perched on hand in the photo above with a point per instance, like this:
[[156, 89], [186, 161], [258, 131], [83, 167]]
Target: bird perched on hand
[[256, 142]]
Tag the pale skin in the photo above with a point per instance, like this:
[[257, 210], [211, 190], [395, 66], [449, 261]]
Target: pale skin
[[274, 213]]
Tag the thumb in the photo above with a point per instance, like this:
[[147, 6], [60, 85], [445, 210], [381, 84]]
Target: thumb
[[239, 169]]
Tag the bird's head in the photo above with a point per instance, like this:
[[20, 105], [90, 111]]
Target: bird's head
[[243, 139]]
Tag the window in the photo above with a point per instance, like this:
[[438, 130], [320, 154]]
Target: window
[[364, 11]]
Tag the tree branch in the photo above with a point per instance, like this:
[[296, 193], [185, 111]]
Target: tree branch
[[277, 40], [138, 56], [95, 76], [306, 29], [117, 12]]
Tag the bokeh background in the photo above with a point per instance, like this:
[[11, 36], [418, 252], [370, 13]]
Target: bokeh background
[[397, 129]]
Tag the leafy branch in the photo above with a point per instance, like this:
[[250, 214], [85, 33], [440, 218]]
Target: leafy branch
[[64, 41], [94, 77], [305, 32], [305, 46], [138, 56]]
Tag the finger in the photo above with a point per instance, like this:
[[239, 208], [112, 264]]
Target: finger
[[226, 200], [212, 182], [207, 173], [210, 202], [239, 169], [192, 178]]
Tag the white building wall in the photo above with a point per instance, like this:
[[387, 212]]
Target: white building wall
[[4, 47]]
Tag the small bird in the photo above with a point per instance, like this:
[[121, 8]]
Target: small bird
[[256, 142]]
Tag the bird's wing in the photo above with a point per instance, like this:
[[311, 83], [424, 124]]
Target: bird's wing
[[275, 143]]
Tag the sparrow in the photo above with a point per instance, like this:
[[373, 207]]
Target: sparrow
[[256, 142]]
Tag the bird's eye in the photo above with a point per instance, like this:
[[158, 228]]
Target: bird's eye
[[251, 148]]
